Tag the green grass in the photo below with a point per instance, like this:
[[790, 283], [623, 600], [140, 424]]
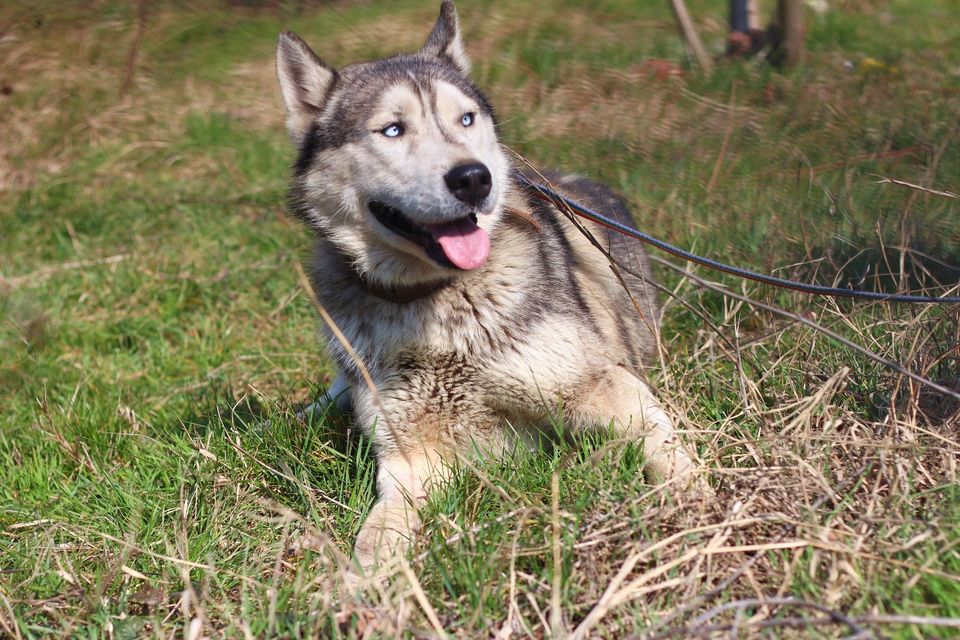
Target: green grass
[[155, 343]]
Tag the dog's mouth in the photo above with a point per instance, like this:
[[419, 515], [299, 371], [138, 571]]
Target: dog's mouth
[[459, 244]]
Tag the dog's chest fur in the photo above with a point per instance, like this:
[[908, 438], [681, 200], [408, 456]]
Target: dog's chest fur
[[497, 344]]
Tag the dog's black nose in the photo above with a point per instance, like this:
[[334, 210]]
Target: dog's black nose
[[469, 183]]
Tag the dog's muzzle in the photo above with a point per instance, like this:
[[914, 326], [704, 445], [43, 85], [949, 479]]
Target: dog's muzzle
[[458, 244]]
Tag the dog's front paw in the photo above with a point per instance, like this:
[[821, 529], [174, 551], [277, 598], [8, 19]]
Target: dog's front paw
[[670, 462], [674, 465], [385, 537]]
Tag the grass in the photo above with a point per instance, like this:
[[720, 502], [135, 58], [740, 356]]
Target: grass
[[155, 343]]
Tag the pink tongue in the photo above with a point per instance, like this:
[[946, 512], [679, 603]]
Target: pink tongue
[[464, 243]]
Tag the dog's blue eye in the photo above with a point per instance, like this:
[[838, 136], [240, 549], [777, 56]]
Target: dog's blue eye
[[392, 131], [467, 119]]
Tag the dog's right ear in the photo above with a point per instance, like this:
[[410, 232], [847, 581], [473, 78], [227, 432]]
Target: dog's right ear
[[305, 82], [445, 40]]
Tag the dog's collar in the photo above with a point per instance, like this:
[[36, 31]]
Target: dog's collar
[[400, 294]]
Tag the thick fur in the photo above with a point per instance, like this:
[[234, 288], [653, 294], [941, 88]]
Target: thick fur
[[473, 359]]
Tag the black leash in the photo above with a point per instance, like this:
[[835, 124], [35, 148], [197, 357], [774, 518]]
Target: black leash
[[803, 287]]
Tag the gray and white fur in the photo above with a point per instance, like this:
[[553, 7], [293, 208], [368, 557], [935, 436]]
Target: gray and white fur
[[475, 324]]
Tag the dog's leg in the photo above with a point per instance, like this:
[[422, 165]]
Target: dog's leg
[[402, 483], [338, 394], [623, 398]]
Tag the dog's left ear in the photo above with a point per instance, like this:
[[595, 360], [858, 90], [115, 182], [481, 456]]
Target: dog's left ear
[[445, 41], [305, 82]]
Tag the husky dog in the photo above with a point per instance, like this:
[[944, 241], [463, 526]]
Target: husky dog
[[469, 310]]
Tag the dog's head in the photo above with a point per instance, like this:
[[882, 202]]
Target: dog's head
[[399, 164]]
